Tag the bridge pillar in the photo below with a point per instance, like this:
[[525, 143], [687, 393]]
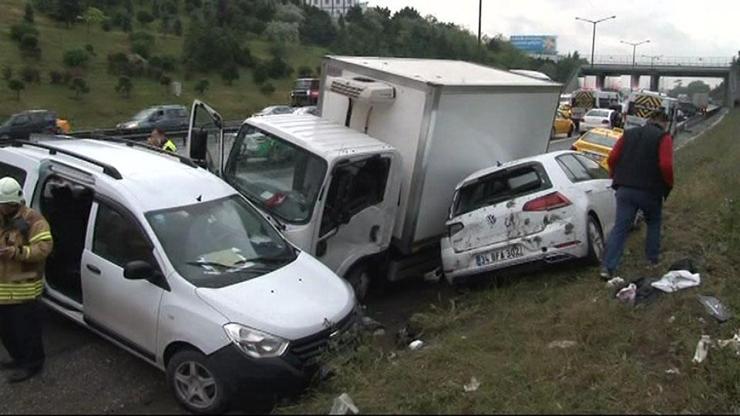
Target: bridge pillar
[[635, 81], [731, 88], [600, 81], [654, 82]]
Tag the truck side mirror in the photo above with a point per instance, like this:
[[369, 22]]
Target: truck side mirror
[[199, 144]]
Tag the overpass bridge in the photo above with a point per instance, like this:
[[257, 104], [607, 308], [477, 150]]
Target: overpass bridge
[[657, 67]]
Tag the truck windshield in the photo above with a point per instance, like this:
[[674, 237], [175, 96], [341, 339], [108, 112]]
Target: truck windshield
[[220, 243], [280, 177]]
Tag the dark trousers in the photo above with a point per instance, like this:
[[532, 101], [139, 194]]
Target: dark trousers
[[629, 200], [20, 330]]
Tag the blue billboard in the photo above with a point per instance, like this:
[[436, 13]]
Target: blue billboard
[[535, 45]]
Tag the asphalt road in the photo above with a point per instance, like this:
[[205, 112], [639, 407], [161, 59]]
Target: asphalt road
[[86, 374]]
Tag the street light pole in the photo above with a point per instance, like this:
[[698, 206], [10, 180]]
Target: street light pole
[[593, 39], [634, 48], [480, 19]]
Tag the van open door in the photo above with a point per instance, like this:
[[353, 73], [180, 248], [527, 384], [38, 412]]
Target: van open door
[[205, 142]]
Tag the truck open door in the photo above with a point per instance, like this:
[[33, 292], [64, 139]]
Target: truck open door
[[205, 141]]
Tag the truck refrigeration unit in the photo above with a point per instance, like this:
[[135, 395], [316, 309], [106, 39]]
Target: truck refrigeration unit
[[366, 187]]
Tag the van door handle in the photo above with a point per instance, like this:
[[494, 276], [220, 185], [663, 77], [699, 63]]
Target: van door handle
[[92, 268]]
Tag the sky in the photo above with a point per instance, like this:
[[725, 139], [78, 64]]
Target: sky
[[675, 28]]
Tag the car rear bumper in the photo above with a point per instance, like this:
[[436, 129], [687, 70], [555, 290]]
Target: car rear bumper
[[558, 242]]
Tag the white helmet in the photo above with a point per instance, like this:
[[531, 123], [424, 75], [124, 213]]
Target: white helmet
[[10, 191]]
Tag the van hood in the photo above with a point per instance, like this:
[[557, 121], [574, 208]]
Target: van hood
[[292, 302]]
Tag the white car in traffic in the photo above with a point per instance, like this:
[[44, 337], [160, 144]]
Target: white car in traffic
[[548, 208], [597, 118]]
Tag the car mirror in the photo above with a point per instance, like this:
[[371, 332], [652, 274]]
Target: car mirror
[[138, 270], [198, 144]]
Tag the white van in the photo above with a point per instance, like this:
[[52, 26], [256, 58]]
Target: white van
[[172, 264]]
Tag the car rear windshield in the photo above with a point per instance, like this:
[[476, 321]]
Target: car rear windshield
[[599, 139], [597, 113], [501, 186], [306, 84]]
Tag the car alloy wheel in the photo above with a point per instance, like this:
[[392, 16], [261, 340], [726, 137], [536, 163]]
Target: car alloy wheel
[[195, 385], [595, 242]]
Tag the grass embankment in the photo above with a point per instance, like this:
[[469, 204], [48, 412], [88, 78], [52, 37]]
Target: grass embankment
[[500, 335], [103, 107]]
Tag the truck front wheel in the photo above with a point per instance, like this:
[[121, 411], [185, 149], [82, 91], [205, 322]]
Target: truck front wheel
[[359, 279]]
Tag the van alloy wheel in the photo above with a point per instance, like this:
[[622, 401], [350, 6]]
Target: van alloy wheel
[[195, 385]]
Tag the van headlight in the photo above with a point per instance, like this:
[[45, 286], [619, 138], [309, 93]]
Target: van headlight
[[254, 343]]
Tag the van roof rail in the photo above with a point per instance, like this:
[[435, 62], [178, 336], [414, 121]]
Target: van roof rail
[[132, 143], [107, 169]]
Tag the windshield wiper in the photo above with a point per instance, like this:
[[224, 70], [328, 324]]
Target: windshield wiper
[[215, 264]]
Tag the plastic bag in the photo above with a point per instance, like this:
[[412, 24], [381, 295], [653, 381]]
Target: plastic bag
[[715, 308], [627, 295]]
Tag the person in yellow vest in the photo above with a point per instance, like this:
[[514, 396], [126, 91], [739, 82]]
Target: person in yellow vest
[[158, 139], [25, 242]]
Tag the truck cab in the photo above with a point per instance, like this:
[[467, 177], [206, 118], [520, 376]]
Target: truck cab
[[641, 104], [332, 191]]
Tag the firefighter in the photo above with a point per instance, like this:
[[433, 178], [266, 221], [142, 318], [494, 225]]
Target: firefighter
[[25, 242], [158, 139]]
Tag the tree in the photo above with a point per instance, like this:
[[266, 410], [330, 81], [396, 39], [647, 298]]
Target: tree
[[282, 32], [230, 74], [144, 17], [29, 46], [28, 15], [261, 74], [75, 58], [79, 86], [7, 73], [68, 10], [177, 27], [165, 81], [56, 77], [305, 72], [17, 86], [201, 86], [30, 75], [317, 28], [93, 16], [124, 86], [267, 89]]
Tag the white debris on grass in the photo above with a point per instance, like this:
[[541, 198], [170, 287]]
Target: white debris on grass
[[702, 349], [416, 345], [343, 405], [676, 280], [562, 344], [474, 385]]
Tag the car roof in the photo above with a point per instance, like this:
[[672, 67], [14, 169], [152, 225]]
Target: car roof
[[606, 132], [320, 136], [487, 171], [150, 180]]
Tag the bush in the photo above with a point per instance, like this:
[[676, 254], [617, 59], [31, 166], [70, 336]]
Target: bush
[[267, 89], [19, 30], [278, 68], [165, 63], [75, 58], [142, 43], [56, 77], [124, 86], [29, 46], [165, 81], [261, 74], [106, 25], [305, 72], [90, 50], [118, 64], [79, 86], [7, 73], [201, 86], [30, 75], [28, 15], [122, 21], [177, 27], [230, 74]]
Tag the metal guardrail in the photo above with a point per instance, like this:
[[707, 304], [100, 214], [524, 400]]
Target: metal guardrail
[[143, 134], [678, 61]]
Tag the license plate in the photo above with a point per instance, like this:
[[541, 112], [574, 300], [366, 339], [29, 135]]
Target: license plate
[[508, 253]]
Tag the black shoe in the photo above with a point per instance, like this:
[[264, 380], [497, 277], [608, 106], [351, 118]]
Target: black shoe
[[6, 365], [22, 374]]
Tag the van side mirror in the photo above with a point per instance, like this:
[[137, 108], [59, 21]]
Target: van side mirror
[[199, 144], [138, 270]]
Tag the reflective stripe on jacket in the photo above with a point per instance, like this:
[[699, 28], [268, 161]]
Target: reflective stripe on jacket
[[28, 234], [169, 146]]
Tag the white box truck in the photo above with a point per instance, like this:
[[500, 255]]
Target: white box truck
[[366, 187]]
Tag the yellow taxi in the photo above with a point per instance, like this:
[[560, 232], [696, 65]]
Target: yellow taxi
[[597, 144], [563, 124]]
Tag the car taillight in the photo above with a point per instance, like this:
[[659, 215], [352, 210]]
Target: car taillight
[[314, 93], [455, 228], [573, 148], [547, 203]]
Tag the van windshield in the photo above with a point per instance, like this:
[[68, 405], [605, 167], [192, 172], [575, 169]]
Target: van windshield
[[281, 178], [220, 243]]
